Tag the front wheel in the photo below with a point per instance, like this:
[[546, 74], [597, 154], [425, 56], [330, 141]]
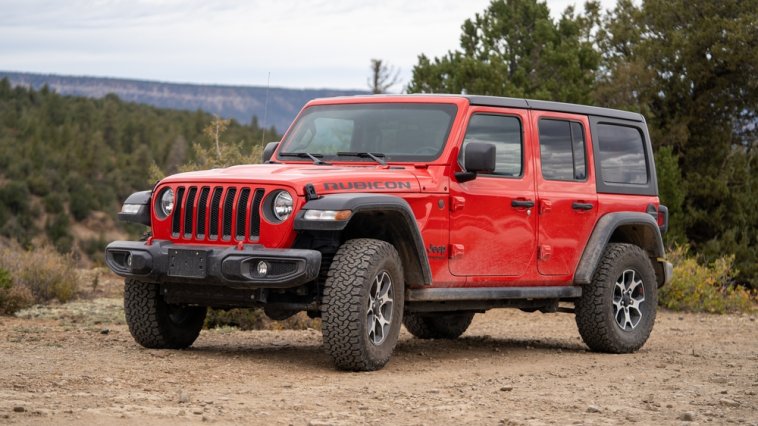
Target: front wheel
[[616, 312], [156, 324], [362, 307]]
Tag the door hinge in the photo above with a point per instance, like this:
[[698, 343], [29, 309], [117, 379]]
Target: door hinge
[[456, 251], [545, 252], [457, 203], [545, 206]]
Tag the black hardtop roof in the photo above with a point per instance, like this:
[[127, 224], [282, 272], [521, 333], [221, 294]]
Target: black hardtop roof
[[553, 106], [499, 101]]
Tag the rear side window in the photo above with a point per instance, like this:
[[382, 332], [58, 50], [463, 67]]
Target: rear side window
[[505, 133], [622, 154], [562, 152]]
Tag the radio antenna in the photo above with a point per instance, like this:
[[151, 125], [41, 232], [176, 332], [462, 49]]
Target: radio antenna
[[265, 110]]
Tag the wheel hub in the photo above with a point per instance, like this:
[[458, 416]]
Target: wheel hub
[[379, 312], [628, 296]]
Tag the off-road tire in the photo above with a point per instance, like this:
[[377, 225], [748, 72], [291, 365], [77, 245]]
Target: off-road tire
[[595, 312], [437, 325], [154, 323], [356, 265]]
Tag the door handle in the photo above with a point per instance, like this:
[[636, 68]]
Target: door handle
[[581, 206], [528, 204]]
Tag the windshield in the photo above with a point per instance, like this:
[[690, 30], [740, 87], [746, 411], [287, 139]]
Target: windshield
[[392, 131]]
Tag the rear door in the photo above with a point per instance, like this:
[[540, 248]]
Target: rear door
[[567, 200], [492, 224]]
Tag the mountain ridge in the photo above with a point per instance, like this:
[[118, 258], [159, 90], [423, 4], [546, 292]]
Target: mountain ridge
[[242, 103]]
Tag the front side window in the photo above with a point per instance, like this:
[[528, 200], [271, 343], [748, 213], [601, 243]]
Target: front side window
[[502, 131], [622, 154], [394, 131], [562, 152]]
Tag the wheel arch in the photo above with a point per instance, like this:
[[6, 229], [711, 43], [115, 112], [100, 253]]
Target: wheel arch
[[639, 229], [380, 216]]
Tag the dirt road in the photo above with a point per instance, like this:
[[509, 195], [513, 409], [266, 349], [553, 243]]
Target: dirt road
[[509, 368]]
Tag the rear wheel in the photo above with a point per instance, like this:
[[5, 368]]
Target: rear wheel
[[362, 307], [617, 310], [156, 324], [437, 325]]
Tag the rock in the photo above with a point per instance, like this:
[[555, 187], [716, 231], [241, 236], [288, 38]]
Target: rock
[[506, 388], [317, 422], [729, 402], [19, 409], [687, 416], [206, 419], [183, 398], [593, 409], [197, 411], [105, 331]]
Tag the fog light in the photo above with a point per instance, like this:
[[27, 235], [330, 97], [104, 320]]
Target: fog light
[[129, 260], [262, 268]]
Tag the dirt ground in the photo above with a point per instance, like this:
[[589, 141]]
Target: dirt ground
[[77, 364]]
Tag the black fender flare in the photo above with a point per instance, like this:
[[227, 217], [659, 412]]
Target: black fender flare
[[651, 241], [367, 202], [142, 216]]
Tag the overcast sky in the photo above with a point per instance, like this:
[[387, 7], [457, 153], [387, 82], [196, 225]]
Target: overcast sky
[[315, 44]]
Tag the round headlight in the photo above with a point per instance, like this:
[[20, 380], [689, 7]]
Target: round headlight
[[167, 203], [282, 205]]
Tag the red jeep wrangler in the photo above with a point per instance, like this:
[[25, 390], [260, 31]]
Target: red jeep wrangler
[[423, 210]]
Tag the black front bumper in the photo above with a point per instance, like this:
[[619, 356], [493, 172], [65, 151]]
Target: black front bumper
[[243, 267]]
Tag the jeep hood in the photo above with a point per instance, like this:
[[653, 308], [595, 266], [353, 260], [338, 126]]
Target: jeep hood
[[325, 179]]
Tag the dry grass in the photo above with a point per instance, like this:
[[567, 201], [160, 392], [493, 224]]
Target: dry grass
[[37, 276]]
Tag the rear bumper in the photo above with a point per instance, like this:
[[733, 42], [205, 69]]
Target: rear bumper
[[234, 267]]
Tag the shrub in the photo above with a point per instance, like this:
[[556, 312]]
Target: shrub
[[704, 288], [46, 274], [94, 248], [255, 319], [12, 297]]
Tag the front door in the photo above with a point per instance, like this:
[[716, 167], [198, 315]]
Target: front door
[[567, 200], [492, 219]]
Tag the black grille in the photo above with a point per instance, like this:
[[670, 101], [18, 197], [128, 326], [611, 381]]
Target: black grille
[[202, 208], [176, 222], [255, 215], [228, 213], [215, 206], [281, 268], [242, 213], [231, 211], [189, 212]]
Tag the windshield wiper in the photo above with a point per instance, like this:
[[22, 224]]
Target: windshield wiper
[[315, 157], [374, 156]]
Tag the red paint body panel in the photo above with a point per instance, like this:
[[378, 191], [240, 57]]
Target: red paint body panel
[[497, 239], [563, 231]]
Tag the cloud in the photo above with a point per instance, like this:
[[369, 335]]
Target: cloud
[[322, 43]]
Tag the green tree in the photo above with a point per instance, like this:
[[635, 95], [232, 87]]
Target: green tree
[[690, 67], [514, 48], [71, 156]]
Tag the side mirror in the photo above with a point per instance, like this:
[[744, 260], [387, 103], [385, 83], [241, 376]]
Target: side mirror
[[268, 151], [478, 157]]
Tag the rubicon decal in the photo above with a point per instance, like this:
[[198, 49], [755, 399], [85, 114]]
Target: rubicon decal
[[362, 185]]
